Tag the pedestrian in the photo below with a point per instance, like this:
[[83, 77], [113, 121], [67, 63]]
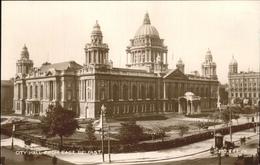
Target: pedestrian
[[54, 160]]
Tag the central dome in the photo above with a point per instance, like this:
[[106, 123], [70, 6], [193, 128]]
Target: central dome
[[147, 29]]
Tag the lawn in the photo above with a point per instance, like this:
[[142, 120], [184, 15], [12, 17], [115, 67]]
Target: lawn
[[167, 122]]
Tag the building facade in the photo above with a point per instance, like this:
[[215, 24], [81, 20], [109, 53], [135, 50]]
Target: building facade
[[146, 85], [7, 93], [243, 85]]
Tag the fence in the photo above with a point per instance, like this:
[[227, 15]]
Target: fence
[[117, 148]]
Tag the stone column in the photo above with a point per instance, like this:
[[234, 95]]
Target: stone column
[[191, 107], [80, 89], [164, 90], [166, 58], [188, 108], [179, 107], [198, 108], [28, 91], [63, 90], [56, 89]]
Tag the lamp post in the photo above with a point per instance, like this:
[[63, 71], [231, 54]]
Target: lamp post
[[219, 157], [218, 145], [230, 125], [103, 108], [13, 129], [108, 148]]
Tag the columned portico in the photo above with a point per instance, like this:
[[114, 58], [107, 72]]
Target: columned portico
[[189, 104]]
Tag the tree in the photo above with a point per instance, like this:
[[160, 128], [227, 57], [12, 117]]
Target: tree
[[225, 116], [130, 132], [59, 121], [223, 95], [159, 131], [182, 129], [90, 131], [236, 117]]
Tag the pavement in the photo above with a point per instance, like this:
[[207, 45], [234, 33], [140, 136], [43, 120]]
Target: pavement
[[10, 119], [192, 151]]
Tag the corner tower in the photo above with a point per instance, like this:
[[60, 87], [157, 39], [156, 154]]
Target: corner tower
[[233, 66], [24, 64], [146, 49], [208, 66], [96, 51], [180, 65]]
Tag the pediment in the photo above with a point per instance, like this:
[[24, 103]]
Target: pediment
[[17, 77], [176, 74], [49, 73]]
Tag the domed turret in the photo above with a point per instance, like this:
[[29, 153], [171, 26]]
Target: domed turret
[[96, 51], [208, 66], [233, 61], [96, 29], [180, 65], [233, 65], [208, 56], [146, 48], [146, 29], [25, 53], [24, 64]]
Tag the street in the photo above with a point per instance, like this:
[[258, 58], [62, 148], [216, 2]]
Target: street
[[12, 159]]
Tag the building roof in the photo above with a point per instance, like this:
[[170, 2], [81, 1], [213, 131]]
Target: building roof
[[233, 61], [96, 29], [175, 74], [60, 66], [7, 83], [146, 29]]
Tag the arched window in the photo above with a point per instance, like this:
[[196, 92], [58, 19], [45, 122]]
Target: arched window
[[102, 94], [41, 91], [151, 93], [30, 91], [115, 92], [207, 92], [134, 88], [202, 92], [36, 91], [125, 92], [143, 92], [19, 91]]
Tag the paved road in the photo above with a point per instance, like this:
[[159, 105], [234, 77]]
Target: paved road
[[200, 161], [12, 159]]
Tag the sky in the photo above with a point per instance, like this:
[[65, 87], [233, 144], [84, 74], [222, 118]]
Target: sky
[[58, 31]]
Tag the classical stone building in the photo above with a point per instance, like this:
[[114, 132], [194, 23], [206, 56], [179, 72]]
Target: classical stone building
[[146, 85], [243, 85]]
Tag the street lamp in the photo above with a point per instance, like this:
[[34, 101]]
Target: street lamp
[[13, 129], [230, 125], [108, 148], [218, 145], [103, 109], [219, 157]]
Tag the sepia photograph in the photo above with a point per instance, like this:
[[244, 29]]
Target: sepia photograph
[[130, 82]]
